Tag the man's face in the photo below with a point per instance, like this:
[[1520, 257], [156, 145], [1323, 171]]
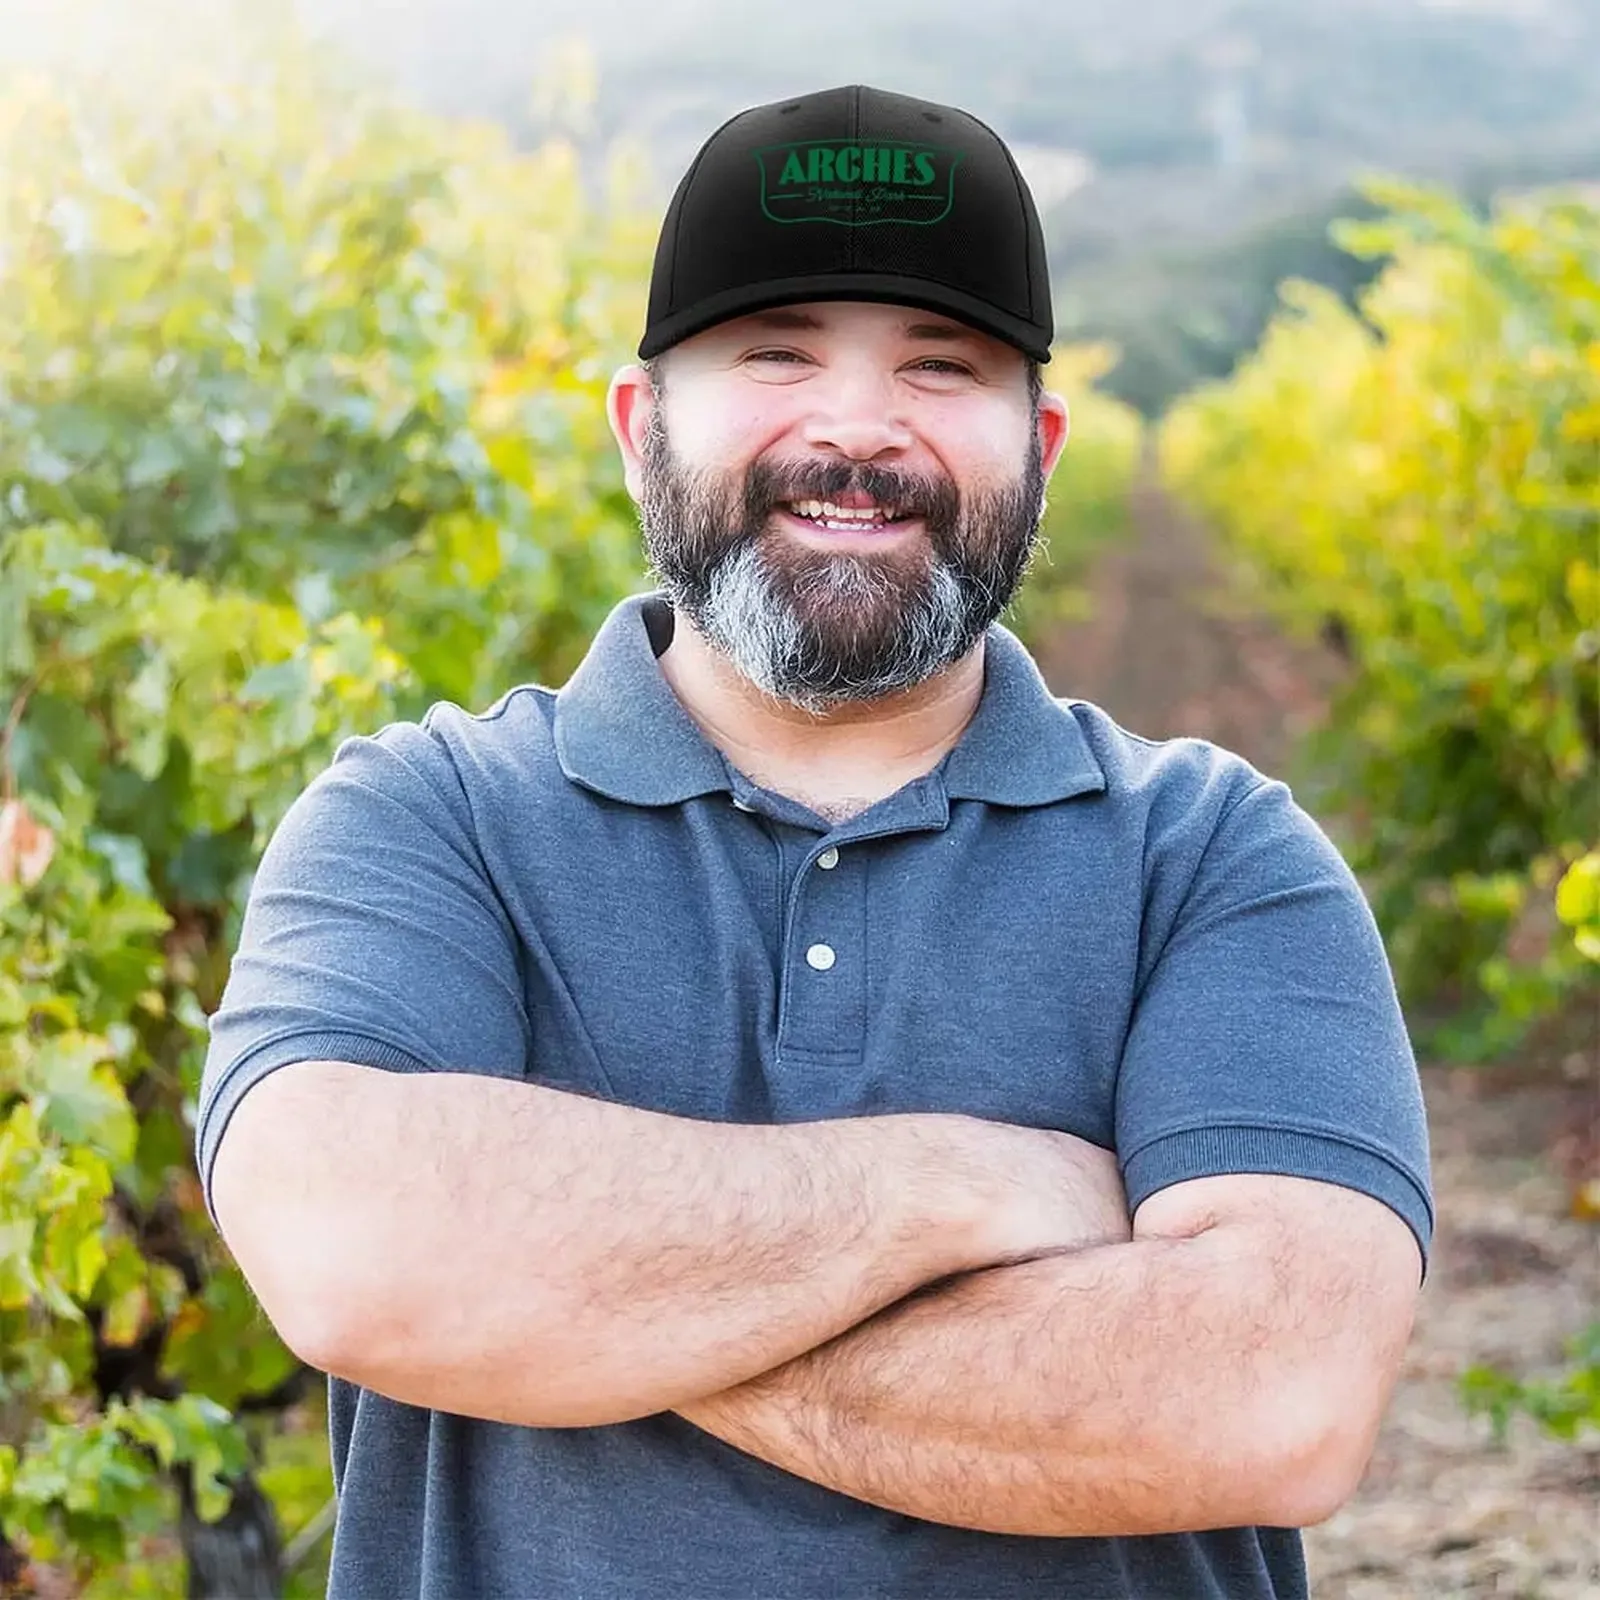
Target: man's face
[[842, 496]]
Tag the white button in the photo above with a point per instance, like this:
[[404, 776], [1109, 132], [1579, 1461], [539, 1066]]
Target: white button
[[740, 805], [820, 956], [829, 859]]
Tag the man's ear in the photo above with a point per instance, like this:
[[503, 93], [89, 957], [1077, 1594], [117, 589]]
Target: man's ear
[[1054, 424], [629, 403]]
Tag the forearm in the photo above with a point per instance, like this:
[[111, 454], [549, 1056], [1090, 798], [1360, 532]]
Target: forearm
[[1110, 1392], [503, 1250]]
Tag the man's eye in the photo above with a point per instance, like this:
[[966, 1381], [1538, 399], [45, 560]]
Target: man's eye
[[946, 366], [774, 355]]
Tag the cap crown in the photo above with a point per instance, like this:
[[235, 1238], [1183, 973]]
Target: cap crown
[[852, 193]]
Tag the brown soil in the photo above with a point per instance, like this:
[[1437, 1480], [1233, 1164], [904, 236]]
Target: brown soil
[[1169, 648], [1172, 646], [1442, 1511]]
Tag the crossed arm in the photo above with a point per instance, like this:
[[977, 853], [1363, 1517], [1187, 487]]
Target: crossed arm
[[936, 1314], [1228, 1366]]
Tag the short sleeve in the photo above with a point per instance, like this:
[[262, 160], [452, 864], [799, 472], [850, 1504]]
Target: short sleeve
[[371, 934], [1268, 1036]]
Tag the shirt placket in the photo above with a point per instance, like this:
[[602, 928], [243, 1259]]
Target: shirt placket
[[824, 1009]]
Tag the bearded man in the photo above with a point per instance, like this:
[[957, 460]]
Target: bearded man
[[802, 1111]]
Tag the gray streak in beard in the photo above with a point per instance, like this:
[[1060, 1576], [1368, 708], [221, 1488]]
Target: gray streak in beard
[[746, 618]]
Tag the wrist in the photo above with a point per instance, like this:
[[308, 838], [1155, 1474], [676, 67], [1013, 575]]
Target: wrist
[[951, 1195], [920, 1192]]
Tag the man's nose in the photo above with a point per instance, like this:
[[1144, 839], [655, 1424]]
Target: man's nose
[[858, 414]]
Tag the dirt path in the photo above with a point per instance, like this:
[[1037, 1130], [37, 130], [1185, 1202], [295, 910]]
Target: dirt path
[[1170, 648], [1442, 1512]]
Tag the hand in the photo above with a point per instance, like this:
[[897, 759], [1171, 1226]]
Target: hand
[[1048, 1192]]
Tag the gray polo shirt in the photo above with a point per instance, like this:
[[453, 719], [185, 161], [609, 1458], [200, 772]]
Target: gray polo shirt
[[1064, 925]]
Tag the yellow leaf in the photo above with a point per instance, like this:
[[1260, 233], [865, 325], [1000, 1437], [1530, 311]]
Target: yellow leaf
[[126, 1316], [1581, 425]]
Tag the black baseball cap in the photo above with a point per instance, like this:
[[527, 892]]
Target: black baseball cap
[[852, 194]]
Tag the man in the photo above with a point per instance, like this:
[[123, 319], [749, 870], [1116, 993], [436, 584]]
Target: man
[[694, 1117]]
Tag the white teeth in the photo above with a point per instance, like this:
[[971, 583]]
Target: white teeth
[[826, 509]]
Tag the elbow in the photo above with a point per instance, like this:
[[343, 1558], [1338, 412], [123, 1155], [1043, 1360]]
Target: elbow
[[295, 1234], [305, 1297], [1318, 1468], [1309, 1495], [305, 1281], [317, 1321], [346, 1306]]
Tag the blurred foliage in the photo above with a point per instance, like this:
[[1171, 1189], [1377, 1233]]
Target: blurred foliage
[[1565, 1406], [302, 428], [344, 355], [1421, 483]]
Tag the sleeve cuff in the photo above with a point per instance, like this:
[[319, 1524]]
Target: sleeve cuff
[[266, 1058], [1211, 1152]]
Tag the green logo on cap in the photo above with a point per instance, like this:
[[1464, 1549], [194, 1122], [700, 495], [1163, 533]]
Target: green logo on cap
[[855, 184]]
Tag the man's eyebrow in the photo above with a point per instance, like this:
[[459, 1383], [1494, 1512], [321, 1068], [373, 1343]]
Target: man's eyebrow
[[786, 319], [946, 332]]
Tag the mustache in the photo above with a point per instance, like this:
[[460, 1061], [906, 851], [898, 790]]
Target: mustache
[[768, 483]]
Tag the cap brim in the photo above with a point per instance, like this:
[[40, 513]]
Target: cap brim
[[878, 287]]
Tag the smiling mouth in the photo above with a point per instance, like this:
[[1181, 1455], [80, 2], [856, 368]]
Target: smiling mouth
[[831, 518]]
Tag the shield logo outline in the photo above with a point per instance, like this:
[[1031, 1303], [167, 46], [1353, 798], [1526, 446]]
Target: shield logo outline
[[860, 192]]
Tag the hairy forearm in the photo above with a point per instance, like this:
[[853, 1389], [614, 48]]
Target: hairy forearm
[[502, 1250], [1120, 1390]]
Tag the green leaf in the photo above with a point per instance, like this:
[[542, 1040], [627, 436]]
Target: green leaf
[[19, 1284], [157, 457], [79, 1100]]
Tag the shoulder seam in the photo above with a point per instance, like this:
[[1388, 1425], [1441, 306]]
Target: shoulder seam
[[1067, 702], [491, 713], [503, 704]]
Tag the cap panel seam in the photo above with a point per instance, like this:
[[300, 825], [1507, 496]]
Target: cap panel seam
[[855, 205], [1022, 208]]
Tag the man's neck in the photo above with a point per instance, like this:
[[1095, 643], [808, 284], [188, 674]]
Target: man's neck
[[850, 756]]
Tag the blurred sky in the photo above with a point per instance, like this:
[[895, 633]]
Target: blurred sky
[[1173, 78]]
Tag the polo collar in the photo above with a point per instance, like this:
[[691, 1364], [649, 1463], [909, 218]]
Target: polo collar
[[622, 732], [1023, 747]]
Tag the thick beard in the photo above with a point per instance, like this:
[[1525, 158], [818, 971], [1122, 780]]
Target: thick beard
[[819, 630]]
